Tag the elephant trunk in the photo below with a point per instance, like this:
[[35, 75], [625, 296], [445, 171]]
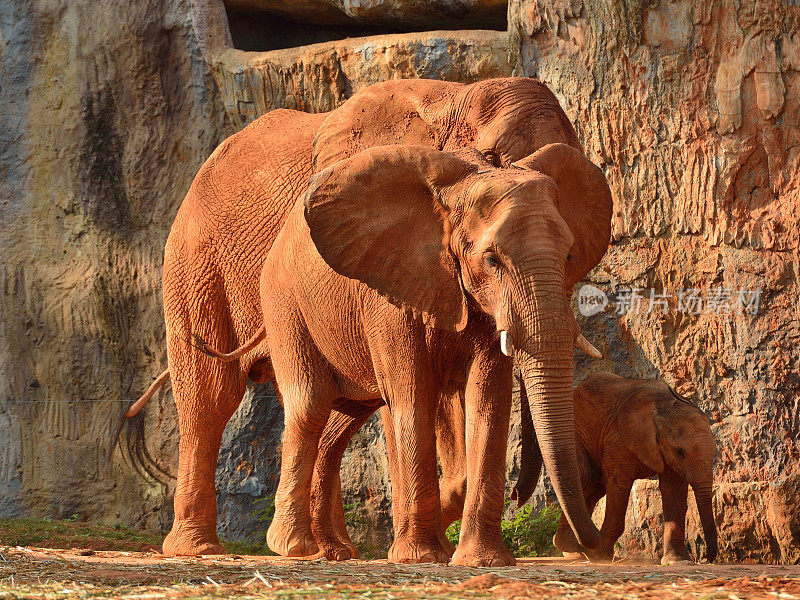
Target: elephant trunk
[[548, 382], [530, 464], [703, 496], [544, 329]]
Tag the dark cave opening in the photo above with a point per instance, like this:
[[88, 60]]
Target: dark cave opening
[[259, 31]]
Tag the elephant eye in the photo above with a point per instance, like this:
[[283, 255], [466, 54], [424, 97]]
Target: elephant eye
[[680, 452], [491, 260], [493, 157]]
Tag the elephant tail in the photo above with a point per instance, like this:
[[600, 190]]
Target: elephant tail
[[204, 347], [131, 439], [139, 404]]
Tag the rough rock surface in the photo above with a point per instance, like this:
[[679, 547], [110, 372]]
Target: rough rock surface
[[692, 110], [690, 107]]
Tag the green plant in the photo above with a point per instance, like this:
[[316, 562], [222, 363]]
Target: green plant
[[263, 512], [525, 535], [265, 509], [69, 533], [247, 549], [353, 514]]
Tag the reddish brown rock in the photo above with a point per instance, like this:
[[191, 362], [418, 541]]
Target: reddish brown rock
[[691, 108]]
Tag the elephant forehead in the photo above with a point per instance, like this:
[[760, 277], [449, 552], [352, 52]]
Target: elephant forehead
[[491, 190], [506, 209]]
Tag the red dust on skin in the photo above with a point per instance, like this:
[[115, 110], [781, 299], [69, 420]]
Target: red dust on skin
[[239, 202]]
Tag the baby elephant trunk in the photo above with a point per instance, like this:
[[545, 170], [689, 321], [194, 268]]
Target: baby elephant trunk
[[703, 496]]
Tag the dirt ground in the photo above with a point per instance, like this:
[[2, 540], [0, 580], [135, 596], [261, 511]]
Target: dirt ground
[[27, 572]]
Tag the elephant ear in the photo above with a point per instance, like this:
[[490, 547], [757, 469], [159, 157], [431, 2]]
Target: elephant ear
[[635, 417], [584, 201], [376, 217]]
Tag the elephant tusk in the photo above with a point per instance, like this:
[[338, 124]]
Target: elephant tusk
[[582, 343], [506, 343]]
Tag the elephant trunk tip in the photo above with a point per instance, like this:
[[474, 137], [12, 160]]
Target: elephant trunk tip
[[589, 539]]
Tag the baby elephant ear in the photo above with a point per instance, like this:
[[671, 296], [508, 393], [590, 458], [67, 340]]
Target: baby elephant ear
[[376, 217], [637, 429]]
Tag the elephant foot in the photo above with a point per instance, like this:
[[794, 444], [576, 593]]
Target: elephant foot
[[191, 540], [335, 549], [573, 555], [406, 550], [483, 555], [290, 540], [343, 540]]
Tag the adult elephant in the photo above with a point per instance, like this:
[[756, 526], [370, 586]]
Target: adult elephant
[[392, 280], [239, 202]]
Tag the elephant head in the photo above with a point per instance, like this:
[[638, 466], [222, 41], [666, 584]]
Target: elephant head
[[437, 232], [506, 119], [667, 431]]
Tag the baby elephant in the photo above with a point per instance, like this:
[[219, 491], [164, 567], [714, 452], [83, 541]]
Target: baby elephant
[[630, 429]]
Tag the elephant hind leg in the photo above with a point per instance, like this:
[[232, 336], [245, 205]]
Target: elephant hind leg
[[206, 395], [327, 511], [452, 451], [308, 389]]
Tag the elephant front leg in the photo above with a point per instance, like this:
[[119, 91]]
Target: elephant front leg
[[415, 486], [674, 490], [488, 410]]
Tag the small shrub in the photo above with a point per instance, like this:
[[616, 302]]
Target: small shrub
[[263, 512], [354, 515], [525, 535], [265, 509]]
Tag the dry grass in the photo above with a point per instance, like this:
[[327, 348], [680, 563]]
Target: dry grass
[[39, 573]]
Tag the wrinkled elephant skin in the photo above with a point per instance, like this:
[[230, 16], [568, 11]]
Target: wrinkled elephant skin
[[628, 429], [403, 265], [238, 204]]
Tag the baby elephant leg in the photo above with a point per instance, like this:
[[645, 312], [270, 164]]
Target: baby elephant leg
[[617, 495], [674, 490]]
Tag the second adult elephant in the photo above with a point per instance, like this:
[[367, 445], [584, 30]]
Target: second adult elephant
[[238, 203], [405, 272]]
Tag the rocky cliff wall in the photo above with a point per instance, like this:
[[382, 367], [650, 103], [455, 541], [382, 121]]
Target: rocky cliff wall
[[691, 108], [107, 112]]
